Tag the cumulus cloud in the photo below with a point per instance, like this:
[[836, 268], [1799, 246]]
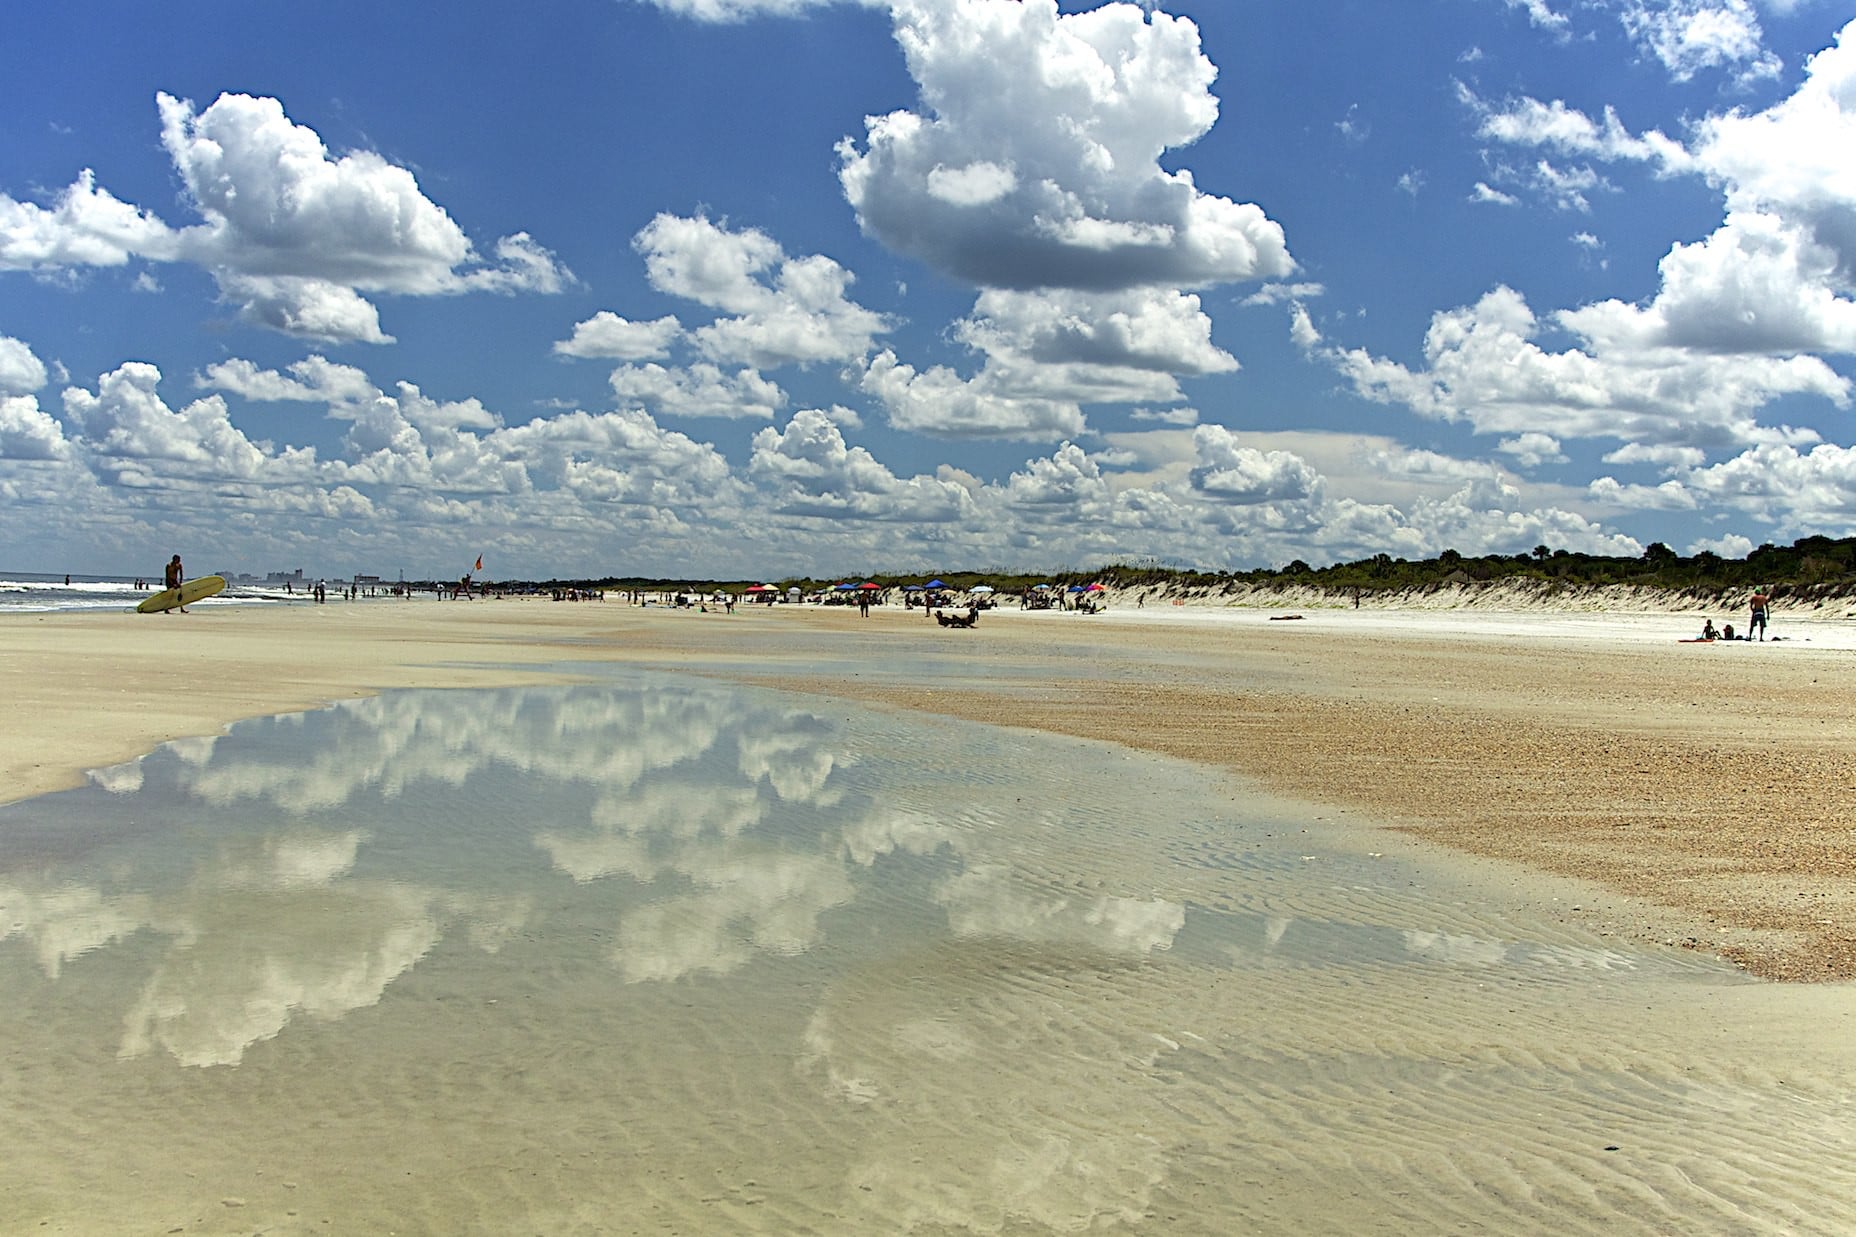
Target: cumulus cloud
[[138, 440], [292, 235], [1777, 276], [314, 379], [702, 390], [1143, 329], [785, 310], [1809, 491], [1067, 479], [1483, 367], [1034, 160], [624, 458], [939, 401], [1228, 471], [1532, 449], [28, 432], [808, 469], [21, 372], [85, 226], [606, 334], [1791, 159]]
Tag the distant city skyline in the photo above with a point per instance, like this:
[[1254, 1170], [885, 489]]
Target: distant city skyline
[[766, 288]]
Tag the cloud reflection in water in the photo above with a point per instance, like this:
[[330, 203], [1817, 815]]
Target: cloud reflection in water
[[305, 863]]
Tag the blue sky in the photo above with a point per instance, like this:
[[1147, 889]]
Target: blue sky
[[771, 287]]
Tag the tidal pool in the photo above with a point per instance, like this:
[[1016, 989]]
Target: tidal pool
[[663, 955]]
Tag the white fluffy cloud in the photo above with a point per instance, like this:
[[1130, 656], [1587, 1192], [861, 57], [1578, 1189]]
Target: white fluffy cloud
[[21, 372], [1157, 330], [1483, 366], [138, 440], [1687, 36], [702, 390], [293, 235], [314, 379], [85, 226], [1792, 159], [808, 469], [939, 401], [1067, 480], [1778, 275], [606, 334], [1034, 162], [28, 432], [1228, 471], [1809, 491], [785, 311]]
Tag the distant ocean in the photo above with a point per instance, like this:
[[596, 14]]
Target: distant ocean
[[35, 591]]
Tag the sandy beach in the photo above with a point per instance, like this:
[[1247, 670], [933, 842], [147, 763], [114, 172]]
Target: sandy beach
[[1219, 922], [1702, 788]]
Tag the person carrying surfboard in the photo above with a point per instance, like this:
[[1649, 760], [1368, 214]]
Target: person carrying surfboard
[[176, 573]]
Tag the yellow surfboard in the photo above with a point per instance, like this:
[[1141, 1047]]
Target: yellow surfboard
[[185, 595]]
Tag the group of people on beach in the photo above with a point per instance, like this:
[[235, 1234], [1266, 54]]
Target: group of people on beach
[[1756, 621]]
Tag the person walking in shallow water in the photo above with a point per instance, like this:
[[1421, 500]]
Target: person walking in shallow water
[[1757, 623], [175, 574]]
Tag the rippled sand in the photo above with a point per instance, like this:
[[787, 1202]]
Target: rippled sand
[[663, 955]]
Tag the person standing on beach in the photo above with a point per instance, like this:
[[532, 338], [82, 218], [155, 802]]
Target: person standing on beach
[[1761, 601], [175, 574]]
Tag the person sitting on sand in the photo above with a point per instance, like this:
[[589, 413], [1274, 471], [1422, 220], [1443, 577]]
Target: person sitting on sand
[[1707, 630]]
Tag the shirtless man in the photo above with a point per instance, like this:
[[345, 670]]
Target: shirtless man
[[176, 573], [1758, 621]]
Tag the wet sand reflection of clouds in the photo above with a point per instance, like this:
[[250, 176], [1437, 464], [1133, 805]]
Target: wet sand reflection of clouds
[[725, 962]]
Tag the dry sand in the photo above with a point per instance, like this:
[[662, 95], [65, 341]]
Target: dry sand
[[1705, 789]]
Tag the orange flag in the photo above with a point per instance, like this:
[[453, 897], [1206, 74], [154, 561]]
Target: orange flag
[[479, 566]]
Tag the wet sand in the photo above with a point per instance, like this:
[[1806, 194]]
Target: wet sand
[[1702, 789]]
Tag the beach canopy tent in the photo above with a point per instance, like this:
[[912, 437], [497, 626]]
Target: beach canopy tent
[[911, 588], [845, 585], [934, 584], [760, 588], [869, 584]]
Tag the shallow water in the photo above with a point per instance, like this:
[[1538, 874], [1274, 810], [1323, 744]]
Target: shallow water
[[662, 956]]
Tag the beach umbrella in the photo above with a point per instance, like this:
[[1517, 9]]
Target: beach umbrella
[[1037, 587], [982, 588], [1094, 588], [1076, 588]]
